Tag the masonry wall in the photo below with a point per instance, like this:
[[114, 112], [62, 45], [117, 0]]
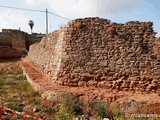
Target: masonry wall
[[33, 38], [47, 54], [18, 40], [13, 42], [96, 52], [8, 52], [5, 39]]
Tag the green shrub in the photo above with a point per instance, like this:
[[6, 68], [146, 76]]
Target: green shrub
[[49, 110], [101, 109], [36, 101], [70, 108], [72, 105], [13, 106], [63, 115]]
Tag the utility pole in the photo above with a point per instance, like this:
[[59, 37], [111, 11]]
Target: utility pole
[[46, 21]]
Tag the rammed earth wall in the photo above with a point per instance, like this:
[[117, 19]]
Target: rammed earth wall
[[97, 52]]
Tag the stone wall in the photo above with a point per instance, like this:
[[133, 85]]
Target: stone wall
[[97, 52], [16, 41], [47, 54], [8, 52], [5, 39], [33, 38]]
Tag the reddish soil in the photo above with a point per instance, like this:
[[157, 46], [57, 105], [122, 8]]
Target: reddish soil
[[148, 102]]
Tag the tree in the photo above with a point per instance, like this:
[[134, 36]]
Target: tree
[[31, 24]]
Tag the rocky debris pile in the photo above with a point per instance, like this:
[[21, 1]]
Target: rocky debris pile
[[96, 52]]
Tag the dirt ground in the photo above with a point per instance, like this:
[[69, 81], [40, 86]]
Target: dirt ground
[[146, 102], [16, 93]]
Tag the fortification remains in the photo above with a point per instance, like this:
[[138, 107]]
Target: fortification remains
[[96, 52], [13, 41]]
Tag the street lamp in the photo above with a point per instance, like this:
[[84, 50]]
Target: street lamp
[[31, 24]]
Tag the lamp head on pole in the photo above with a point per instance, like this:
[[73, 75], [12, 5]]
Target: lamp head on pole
[[31, 24]]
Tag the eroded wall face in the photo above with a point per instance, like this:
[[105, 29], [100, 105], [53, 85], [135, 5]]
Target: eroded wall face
[[13, 43], [33, 38], [18, 40], [95, 52], [47, 53], [8, 52], [5, 39]]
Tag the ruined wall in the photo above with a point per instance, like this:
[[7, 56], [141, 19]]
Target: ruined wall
[[33, 38], [7, 41], [18, 40], [47, 54], [13, 38], [96, 52], [13, 41], [8, 52]]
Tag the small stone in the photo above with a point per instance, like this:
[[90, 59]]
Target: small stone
[[72, 84], [151, 86], [101, 84], [82, 83], [105, 118], [77, 118], [35, 109], [132, 78], [20, 107], [92, 83], [60, 82], [87, 118]]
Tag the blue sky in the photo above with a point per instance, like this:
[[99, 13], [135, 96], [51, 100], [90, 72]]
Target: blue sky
[[119, 11]]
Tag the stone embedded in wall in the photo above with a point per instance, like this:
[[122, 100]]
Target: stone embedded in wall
[[157, 48], [96, 52]]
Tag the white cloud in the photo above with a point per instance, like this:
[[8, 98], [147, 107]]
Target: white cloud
[[74, 8], [115, 6], [85, 8], [33, 2], [13, 20]]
